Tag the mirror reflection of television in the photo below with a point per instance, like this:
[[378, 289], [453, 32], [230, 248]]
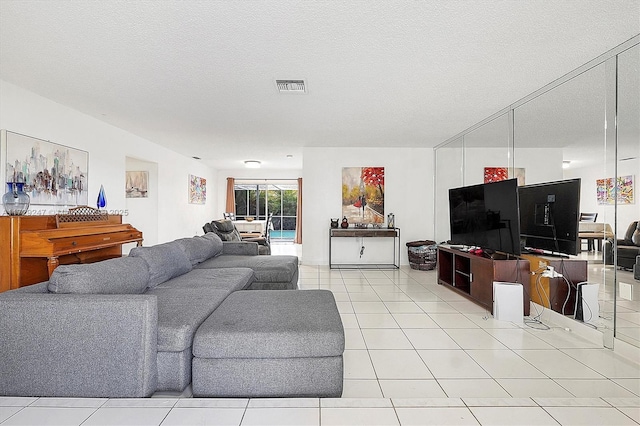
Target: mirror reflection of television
[[486, 216], [549, 216]]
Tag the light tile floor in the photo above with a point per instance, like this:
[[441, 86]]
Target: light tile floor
[[416, 354]]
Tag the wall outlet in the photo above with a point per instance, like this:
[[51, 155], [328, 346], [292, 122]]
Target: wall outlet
[[626, 291]]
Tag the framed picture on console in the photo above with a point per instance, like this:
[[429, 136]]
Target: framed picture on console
[[53, 174]]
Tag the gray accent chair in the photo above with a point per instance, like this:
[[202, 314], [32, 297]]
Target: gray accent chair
[[227, 231], [628, 248]]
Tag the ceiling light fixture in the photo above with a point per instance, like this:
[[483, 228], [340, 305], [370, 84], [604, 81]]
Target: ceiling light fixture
[[252, 164]]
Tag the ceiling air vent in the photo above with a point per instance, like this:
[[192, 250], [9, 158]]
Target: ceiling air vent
[[291, 86]]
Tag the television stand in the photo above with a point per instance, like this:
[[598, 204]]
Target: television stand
[[539, 252], [472, 276], [553, 292]]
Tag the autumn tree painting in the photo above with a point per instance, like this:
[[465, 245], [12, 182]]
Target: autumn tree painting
[[363, 194]]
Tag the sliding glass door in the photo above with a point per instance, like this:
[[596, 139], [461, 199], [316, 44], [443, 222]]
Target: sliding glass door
[[259, 200]]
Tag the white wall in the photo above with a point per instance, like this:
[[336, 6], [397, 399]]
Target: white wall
[[541, 165], [24, 112], [408, 194], [138, 208]]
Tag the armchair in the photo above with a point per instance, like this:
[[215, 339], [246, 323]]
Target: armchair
[[628, 248], [227, 231]]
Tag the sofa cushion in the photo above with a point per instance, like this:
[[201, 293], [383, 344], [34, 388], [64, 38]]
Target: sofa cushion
[[201, 248], [184, 302], [265, 268], [272, 324], [122, 275], [635, 238], [164, 261], [230, 279], [628, 235]]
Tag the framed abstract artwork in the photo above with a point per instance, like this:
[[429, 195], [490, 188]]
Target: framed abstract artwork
[[197, 190], [496, 174], [53, 174], [606, 190], [137, 184]]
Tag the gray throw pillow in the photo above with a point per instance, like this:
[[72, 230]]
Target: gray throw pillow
[[165, 261], [201, 248], [124, 275]]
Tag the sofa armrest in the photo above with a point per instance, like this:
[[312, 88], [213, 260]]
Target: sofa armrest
[[240, 247], [82, 345]]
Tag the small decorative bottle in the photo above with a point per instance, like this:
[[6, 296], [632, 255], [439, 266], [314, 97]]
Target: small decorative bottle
[[345, 222], [102, 198]]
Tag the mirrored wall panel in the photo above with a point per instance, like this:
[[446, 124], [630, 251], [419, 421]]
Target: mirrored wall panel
[[584, 128], [628, 209]]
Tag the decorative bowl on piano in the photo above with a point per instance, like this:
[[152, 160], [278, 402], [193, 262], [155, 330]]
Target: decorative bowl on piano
[[249, 219]]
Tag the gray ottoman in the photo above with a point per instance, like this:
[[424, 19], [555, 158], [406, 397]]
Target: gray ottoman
[[270, 343]]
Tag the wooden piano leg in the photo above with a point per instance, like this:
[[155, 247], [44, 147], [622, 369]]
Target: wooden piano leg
[[52, 263]]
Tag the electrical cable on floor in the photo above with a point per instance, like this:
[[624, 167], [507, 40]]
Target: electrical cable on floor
[[535, 322], [568, 294]]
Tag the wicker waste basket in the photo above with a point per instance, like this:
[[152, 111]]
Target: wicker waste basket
[[422, 254]]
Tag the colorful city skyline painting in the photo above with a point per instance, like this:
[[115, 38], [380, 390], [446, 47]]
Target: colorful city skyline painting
[[53, 174]]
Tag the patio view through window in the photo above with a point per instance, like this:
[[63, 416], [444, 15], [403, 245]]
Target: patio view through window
[[258, 200]]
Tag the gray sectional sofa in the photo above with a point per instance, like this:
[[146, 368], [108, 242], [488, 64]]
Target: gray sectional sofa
[[125, 327]]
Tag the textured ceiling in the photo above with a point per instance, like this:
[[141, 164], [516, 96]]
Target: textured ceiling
[[199, 76]]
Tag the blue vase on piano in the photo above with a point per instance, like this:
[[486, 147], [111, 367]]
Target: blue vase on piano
[[16, 201], [102, 198]]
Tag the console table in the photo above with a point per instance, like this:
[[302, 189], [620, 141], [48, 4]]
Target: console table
[[366, 233]]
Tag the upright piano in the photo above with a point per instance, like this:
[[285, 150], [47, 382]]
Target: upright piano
[[31, 247]]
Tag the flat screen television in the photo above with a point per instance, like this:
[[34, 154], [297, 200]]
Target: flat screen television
[[486, 216], [549, 216]]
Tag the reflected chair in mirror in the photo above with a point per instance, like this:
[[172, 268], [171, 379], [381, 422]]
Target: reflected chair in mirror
[[628, 248], [588, 217]]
